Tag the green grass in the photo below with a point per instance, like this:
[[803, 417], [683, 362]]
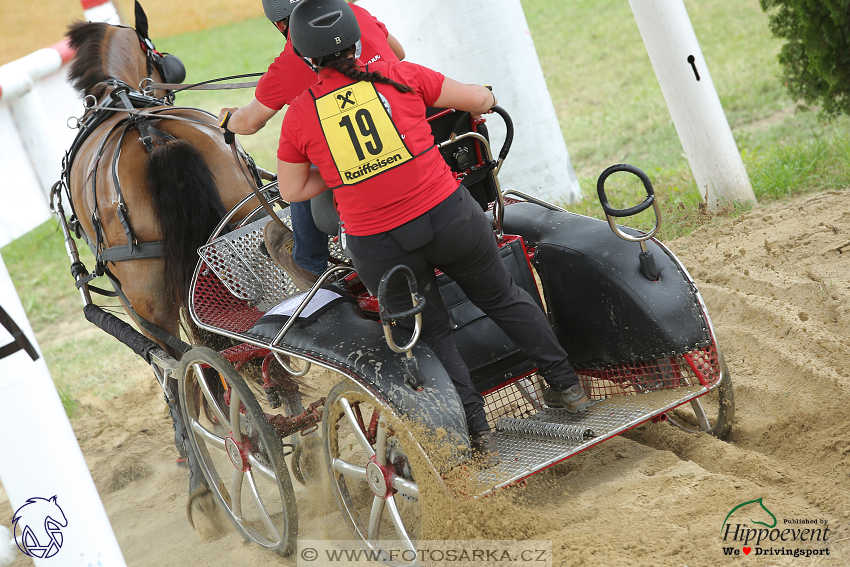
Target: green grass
[[41, 271], [82, 359], [610, 110], [241, 48], [608, 100]]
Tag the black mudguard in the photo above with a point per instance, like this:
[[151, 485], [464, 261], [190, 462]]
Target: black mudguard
[[342, 339], [603, 310]]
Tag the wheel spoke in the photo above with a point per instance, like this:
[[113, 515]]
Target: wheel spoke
[[700, 413], [381, 441], [358, 433], [211, 401], [375, 519], [261, 467], [407, 487], [236, 494], [211, 438], [235, 402], [349, 470], [264, 515], [399, 524]]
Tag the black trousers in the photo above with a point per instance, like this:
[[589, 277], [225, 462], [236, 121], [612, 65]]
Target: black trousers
[[462, 245]]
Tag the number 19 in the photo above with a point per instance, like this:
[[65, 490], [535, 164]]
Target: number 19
[[367, 129]]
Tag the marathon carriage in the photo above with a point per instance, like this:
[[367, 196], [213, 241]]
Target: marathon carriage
[[391, 426], [626, 310]]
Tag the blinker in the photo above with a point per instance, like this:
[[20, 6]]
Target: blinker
[[173, 69]]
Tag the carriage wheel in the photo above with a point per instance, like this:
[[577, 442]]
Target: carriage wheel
[[376, 484], [239, 452], [711, 413]]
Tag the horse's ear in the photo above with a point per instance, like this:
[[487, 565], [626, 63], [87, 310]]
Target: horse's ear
[[141, 20]]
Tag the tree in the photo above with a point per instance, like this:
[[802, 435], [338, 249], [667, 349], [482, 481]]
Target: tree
[[816, 58]]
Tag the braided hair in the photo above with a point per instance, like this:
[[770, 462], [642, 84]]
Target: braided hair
[[347, 65]]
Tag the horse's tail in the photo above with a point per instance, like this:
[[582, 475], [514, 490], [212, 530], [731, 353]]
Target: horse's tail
[[187, 206]]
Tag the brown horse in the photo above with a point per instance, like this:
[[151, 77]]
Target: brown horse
[[175, 191], [148, 185]]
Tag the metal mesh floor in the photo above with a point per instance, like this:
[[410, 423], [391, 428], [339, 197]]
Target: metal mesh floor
[[524, 454]]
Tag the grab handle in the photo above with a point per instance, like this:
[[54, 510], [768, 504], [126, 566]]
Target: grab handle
[[418, 300], [509, 132], [603, 199], [611, 212], [415, 311], [648, 267]]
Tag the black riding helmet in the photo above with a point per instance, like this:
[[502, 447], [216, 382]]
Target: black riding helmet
[[277, 10], [323, 27]]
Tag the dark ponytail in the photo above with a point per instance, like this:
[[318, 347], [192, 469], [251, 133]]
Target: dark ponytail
[[348, 66]]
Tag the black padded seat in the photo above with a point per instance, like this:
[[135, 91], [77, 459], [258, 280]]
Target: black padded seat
[[604, 311]]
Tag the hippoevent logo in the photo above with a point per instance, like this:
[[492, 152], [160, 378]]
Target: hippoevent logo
[[796, 537], [38, 527]]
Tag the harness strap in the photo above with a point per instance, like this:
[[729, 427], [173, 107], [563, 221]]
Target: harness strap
[[148, 132], [136, 252], [122, 253], [121, 211], [85, 280]]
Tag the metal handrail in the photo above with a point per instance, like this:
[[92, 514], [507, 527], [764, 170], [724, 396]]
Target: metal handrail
[[499, 204]]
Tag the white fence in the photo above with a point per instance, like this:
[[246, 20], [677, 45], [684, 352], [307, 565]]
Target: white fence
[[35, 104]]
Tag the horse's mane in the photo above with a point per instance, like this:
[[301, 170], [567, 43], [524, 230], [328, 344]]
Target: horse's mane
[[86, 71]]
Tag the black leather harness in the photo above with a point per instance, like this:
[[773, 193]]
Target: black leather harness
[[121, 99], [140, 116]]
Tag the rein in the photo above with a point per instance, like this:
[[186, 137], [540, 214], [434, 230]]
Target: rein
[[201, 86]]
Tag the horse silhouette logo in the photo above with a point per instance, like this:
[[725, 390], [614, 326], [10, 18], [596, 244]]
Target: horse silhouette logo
[[38, 527]]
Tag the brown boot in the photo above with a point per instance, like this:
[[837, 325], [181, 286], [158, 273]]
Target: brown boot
[[279, 243], [484, 451], [574, 399]]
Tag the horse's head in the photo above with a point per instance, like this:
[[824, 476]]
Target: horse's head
[[115, 52], [37, 525]]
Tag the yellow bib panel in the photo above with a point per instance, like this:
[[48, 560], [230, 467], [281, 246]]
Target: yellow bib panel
[[360, 133]]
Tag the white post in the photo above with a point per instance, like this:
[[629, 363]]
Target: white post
[[692, 100], [17, 82], [488, 42], [40, 457], [101, 11]]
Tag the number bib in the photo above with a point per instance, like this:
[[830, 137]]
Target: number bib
[[360, 134]]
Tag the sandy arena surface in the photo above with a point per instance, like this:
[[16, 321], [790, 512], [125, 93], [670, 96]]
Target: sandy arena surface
[[777, 284]]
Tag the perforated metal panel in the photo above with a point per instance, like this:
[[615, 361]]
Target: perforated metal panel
[[236, 260], [522, 455]]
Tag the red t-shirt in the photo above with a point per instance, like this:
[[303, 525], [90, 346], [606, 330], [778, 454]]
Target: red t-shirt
[[382, 164], [289, 75]]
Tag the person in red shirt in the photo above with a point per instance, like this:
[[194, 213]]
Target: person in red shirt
[[304, 253], [364, 128]]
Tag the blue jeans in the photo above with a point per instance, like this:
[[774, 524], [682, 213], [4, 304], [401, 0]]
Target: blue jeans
[[310, 250]]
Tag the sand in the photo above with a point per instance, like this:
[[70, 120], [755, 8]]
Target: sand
[[777, 284]]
